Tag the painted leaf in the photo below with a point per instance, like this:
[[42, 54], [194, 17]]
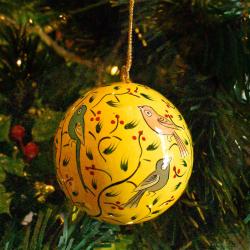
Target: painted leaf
[[89, 154], [146, 96], [131, 125], [66, 161], [111, 194], [152, 146], [91, 99], [98, 127], [124, 165], [180, 117], [156, 212], [4, 127], [94, 184], [110, 149], [186, 142], [177, 186], [5, 199], [184, 163], [112, 103], [116, 87], [155, 200]]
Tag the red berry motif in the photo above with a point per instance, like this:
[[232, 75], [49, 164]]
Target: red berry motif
[[17, 132], [31, 150], [99, 112], [134, 137], [112, 122], [91, 119], [97, 118], [121, 122]]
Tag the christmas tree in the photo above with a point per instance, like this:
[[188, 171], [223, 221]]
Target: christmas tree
[[196, 53]]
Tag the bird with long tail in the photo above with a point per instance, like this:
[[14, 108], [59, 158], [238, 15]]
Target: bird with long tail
[[154, 182], [76, 130], [164, 126]]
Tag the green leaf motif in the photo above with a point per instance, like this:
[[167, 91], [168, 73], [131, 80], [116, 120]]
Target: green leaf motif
[[45, 126], [91, 99], [98, 127], [5, 199], [12, 166], [147, 96], [131, 125], [110, 194], [184, 163], [109, 150], [94, 184], [124, 165], [156, 212], [89, 154], [112, 103], [186, 142], [155, 200], [177, 186], [152, 146], [4, 127]]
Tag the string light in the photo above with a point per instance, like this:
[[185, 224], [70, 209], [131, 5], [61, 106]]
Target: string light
[[19, 62], [114, 70]]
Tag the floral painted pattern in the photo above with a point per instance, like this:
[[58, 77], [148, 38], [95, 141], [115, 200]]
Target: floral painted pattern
[[123, 153]]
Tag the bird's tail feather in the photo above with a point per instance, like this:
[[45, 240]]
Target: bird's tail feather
[[181, 145], [134, 200]]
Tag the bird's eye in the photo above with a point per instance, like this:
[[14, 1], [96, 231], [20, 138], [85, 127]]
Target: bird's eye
[[79, 111], [148, 113]]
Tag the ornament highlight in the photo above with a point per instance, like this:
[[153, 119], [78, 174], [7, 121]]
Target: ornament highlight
[[123, 153]]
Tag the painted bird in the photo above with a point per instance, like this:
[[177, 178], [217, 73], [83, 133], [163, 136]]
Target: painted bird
[[76, 132], [163, 126], [154, 182]]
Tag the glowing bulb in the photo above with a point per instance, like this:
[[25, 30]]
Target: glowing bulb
[[114, 70], [30, 21], [19, 62]]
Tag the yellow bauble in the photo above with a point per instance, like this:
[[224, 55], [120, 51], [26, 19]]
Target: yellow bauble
[[123, 153]]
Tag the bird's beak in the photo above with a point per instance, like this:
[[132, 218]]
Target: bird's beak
[[139, 107]]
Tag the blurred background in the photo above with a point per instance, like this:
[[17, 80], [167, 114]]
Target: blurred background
[[194, 52]]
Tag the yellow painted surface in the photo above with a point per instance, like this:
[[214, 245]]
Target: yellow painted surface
[[123, 153]]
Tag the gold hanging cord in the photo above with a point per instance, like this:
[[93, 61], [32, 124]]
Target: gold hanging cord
[[126, 68]]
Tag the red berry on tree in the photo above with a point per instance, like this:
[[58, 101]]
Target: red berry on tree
[[112, 122], [31, 150], [17, 132]]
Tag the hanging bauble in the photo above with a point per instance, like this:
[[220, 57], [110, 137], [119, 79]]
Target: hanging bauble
[[123, 153]]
